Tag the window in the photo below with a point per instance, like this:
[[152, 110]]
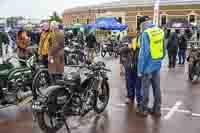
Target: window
[[88, 21], [163, 20], [119, 19], [138, 22], [77, 20], [192, 18]]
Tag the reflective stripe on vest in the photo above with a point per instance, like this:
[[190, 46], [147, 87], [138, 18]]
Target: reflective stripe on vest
[[156, 37], [138, 41]]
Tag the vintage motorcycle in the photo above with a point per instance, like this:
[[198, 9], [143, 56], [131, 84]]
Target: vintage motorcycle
[[194, 64], [16, 79], [107, 48], [73, 96], [74, 55]]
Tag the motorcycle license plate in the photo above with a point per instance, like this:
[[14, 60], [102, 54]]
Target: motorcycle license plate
[[37, 106]]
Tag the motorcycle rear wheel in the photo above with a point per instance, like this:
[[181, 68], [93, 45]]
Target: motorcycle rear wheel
[[103, 95]]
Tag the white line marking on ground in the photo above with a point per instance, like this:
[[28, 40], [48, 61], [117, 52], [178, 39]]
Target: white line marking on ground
[[195, 115], [173, 110], [178, 110]]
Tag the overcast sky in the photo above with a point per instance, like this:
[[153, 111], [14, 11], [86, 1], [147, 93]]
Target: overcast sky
[[40, 8]]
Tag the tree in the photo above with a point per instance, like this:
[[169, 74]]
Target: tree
[[55, 17]]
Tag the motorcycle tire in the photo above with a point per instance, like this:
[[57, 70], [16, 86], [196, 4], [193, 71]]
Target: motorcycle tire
[[35, 84], [40, 117], [110, 53], [190, 73], [65, 59], [116, 54], [53, 108], [103, 53], [105, 97], [74, 61], [98, 49]]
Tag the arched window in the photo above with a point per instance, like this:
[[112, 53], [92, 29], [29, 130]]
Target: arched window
[[192, 18], [163, 20], [138, 22]]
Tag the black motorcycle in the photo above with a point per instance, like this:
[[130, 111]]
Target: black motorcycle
[[72, 97], [107, 48], [194, 64], [74, 55]]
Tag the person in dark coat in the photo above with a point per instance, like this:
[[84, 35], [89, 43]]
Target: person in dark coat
[[182, 49], [91, 43], [172, 48], [56, 53]]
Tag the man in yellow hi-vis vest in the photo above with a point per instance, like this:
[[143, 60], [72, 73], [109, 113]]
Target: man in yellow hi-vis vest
[[45, 40], [149, 64]]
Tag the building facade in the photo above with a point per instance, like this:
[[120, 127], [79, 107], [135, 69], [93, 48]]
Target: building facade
[[129, 11]]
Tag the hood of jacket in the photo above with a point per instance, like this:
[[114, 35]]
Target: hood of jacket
[[146, 25]]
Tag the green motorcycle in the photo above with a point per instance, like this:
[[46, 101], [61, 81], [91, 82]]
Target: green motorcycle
[[16, 77]]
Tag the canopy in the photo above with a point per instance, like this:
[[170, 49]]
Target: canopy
[[107, 24], [179, 25]]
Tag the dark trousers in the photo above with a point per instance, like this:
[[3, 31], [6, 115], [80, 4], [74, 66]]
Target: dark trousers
[[133, 85], [55, 77], [44, 61], [182, 56], [172, 58]]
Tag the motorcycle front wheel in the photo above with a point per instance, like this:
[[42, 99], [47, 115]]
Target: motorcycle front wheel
[[47, 124], [190, 72], [103, 53], [40, 81], [102, 97]]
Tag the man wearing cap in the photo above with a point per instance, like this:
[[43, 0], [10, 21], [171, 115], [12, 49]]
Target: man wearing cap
[[149, 64], [45, 39]]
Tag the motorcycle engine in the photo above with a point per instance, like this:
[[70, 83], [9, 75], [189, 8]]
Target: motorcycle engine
[[18, 88]]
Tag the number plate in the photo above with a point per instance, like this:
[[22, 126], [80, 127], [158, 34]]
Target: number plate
[[37, 106]]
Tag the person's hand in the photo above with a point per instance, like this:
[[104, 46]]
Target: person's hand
[[50, 59], [40, 58], [140, 75]]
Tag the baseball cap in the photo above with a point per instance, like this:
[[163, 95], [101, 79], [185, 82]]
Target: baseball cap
[[144, 19]]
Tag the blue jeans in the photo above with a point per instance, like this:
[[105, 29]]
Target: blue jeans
[[153, 80], [182, 56], [133, 85]]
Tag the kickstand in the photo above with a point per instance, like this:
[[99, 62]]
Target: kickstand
[[67, 127]]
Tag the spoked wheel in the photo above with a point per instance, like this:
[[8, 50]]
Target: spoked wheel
[[110, 53], [48, 124], [102, 97], [103, 53], [40, 82], [52, 120]]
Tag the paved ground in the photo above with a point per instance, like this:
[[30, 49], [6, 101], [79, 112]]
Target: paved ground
[[181, 110]]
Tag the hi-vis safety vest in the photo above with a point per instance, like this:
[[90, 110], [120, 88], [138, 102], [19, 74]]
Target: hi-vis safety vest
[[138, 41], [44, 44], [156, 38]]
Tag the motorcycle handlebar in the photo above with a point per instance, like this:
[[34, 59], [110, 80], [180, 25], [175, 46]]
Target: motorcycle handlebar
[[91, 67]]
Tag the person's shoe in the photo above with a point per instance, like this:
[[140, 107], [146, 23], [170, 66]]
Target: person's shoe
[[129, 101], [142, 113], [153, 113]]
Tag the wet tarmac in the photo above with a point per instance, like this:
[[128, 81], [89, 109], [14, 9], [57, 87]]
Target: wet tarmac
[[180, 109]]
